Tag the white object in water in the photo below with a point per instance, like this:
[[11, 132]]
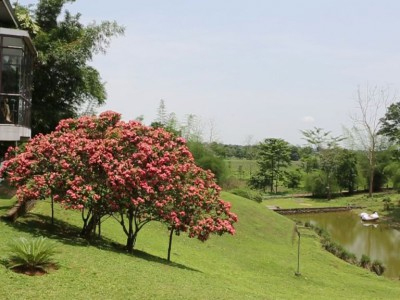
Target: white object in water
[[369, 217]]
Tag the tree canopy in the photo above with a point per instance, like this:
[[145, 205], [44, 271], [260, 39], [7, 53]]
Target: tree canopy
[[274, 155], [63, 81], [135, 173]]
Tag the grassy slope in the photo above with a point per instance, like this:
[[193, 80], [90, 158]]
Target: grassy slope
[[257, 263]]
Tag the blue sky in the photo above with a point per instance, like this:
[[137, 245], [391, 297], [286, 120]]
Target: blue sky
[[257, 68]]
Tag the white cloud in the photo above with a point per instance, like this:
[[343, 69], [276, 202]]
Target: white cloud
[[308, 119]]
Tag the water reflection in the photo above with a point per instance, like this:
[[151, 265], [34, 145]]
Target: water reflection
[[378, 241]]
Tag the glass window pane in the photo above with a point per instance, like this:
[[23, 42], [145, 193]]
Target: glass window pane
[[12, 42], [11, 70]]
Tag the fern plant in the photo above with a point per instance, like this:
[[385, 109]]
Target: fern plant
[[36, 253]]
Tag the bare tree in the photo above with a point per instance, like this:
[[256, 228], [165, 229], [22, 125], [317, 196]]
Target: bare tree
[[371, 106], [212, 129], [192, 129]]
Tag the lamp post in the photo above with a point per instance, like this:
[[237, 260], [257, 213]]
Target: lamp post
[[297, 273]]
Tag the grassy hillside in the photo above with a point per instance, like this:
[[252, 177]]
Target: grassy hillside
[[257, 263]]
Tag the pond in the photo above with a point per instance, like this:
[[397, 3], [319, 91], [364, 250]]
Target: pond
[[377, 240]]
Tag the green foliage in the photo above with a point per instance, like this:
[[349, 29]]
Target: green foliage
[[330, 157], [321, 139], [207, 160], [63, 81], [293, 179], [387, 204], [390, 125], [365, 261], [346, 170], [309, 163], [317, 184], [236, 151], [260, 181], [396, 180], [273, 157], [35, 253]]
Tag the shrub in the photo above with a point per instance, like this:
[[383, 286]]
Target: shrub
[[352, 258], [347, 256], [365, 261], [293, 179], [378, 267], [387, 203], [33, 254], [317, 185]]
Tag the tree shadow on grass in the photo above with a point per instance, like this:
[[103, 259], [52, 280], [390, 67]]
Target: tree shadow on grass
[[153, 258], [40, 225], [5, 207]]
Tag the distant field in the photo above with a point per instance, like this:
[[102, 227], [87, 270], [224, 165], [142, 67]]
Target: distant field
[[241, 168]]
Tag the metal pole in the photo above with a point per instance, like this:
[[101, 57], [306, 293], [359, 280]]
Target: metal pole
[[298, 256]]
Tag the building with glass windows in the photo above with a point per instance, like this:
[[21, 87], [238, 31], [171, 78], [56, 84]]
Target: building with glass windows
[[16, 60]]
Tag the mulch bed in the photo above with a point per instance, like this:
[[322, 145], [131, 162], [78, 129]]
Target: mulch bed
[[34, 271]]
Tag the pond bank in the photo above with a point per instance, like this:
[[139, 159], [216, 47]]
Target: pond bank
[[310, 210]]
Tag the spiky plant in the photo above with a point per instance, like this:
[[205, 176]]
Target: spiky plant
[[32, 254]]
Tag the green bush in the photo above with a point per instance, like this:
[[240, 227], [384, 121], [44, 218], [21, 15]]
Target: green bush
[[387, 204], [206, 159], [365, 262], [293, 179], [33, 254], [378, 267], [347, 256], [316, 184]]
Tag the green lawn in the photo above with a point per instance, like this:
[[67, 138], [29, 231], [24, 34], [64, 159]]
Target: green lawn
[[257, 263]]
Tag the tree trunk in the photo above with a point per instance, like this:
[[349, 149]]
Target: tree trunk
[[371, 176], [99, 227], [89, 229], [130, 242], [52, 209], [371, 169], [328, 183], [272, 183], [170, 244]]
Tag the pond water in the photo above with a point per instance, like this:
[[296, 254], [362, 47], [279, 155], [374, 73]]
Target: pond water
[[376, 240]]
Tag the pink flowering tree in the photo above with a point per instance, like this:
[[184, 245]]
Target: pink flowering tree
[[195, 207], [62, 165], [135, 173]]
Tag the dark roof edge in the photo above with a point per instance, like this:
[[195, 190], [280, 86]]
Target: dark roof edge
[[10, 10]]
